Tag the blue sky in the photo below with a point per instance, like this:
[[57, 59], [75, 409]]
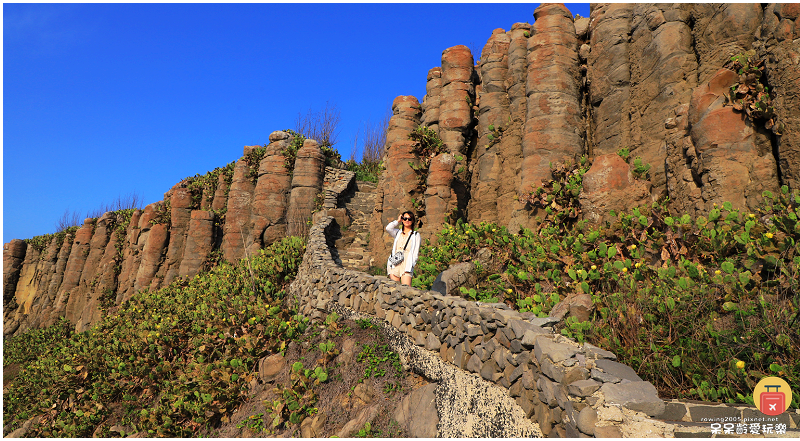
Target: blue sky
[[105, 100]]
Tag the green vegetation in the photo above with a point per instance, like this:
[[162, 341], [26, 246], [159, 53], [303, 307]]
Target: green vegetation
[[751, 94], [207, 184], [427, 145], [174, 360], [366, 170], [682, 300]]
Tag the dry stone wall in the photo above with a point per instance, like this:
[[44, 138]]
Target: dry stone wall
[[563, 387]]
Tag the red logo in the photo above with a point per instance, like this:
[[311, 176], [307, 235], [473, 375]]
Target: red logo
[[772, 396]]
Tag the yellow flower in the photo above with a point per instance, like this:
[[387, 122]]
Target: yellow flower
[[494, 230], [769, 235], [508, 290], [717, 272], [751, 216], [633, 247], [594, 267], [624, 270], [638, 264], [740, 364]]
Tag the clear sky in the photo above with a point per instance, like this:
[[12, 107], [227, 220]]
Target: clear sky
[[106, 100]]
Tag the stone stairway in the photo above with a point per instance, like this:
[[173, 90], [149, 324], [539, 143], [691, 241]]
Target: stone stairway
[[352, 246]]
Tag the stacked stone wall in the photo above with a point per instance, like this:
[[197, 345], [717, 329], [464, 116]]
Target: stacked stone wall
[[567, 388]]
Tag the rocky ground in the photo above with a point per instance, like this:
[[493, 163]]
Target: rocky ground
[[346, 402]]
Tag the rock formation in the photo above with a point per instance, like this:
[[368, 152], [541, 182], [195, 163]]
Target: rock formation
[[643, 78], [649, 79], [108, 260]]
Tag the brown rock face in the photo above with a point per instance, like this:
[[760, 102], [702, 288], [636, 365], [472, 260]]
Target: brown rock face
[[153, 251], [221, 194], [237, 222], [309, 173], [13, 256], [82, 303], [131, 255], [199, 243], [553, 127], [271, 196], [493, 111], [734, 160], [457, 98], [609, 185], [181, 206], [778, 45], [398, 182], [75, 264]]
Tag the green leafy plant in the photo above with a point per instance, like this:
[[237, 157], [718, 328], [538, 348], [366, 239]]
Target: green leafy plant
[[681, 299], [751, 94], [640, 169], [194, 342]]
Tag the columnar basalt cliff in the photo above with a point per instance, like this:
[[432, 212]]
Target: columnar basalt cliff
[[81, 273], [650, 79]]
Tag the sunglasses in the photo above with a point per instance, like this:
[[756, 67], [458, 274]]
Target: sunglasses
[[406, 218]]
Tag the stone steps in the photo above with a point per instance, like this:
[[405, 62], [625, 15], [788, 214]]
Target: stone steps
[[352, 246]]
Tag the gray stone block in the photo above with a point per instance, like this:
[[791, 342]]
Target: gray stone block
[[618, 370], [518, 371], [546, 347], [714, 413], [751, 414], [603, 377], [488, 369], [474, 364], [556, 373], [636, 395], [432, 343], [543, 322], [673, 411], [583, 388]]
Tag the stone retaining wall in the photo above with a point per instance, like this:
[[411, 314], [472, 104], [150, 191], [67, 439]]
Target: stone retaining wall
[[569, 389]]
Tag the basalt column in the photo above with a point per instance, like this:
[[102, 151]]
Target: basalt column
[[237, 219], [493, 111], [609, 75], [87, 309], [778, 44], [271, 197], [131, 257], [432, 100], [13, 257], [663, 69], [199, 243], [398, 183], [444, 194], [457, 99], [46, 273], [510, 211], [553, 128], [155, 238], [181, 212], [48, 314], [221, 194], [77, 260], [309, 174]]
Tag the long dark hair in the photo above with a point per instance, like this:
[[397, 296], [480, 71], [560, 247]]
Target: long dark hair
[[413, 221]]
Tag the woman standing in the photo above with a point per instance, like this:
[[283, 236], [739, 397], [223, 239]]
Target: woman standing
[[406, 243]]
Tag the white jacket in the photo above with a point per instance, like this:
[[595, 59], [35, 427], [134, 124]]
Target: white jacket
[[412, 248]]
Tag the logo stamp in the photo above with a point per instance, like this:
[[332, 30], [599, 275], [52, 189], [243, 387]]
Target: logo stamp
[[772, 396]]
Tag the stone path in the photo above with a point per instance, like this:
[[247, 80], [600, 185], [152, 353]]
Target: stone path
[[352, 246]]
